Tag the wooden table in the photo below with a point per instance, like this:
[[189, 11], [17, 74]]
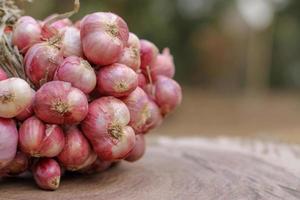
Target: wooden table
[[224, 169]]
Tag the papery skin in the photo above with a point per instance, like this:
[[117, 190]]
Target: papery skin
[[163, 65], [106, 128], [41, 62], [116, 80], [8, 141], [15, 96], [131, 53], [148, 54], [137, 103], [26, 32], [71, 42], [47, 173], [139, 149], [76, 151], [28, 111], [57, 102], [168, 94], [78, 72], [155, 118], [103, 36], [40, 140]]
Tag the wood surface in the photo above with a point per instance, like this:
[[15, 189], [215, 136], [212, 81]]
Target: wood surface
[[224, 169]]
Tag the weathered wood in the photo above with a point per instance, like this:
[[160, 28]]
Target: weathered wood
[[184, 169]]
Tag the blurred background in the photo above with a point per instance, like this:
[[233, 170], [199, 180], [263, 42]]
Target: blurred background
[[237, 60]]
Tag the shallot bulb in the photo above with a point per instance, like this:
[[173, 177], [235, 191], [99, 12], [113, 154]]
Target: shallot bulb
[[39, 140], [78, 72], [106, 128], [163, 65], [76, 151], [41, 62], [116, 80], [15, 96], [3, 75], [71, 43], [131, 53], [57, 102], [54, 28], [142, 81], [139, 149], [8, 141], [47, 173], [168, 94], [26, 32], [149, 53], [19, 164], [27, 112], [138, 105], [155, 118], [103, 36]]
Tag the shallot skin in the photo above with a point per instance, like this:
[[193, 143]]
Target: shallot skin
[[131, 53], [142, 81], [155, 117], [78, 72], [168, 94], [41, 62], [15, 96], [137, 103], [57, 102], [106, 128], [40, 140], [148, 54], [116, 80], [47, 173], [103, 37], [27, 112], [26, 32], [8, 141], [163, 65], [71, 42], [139, 149], [76, 151]]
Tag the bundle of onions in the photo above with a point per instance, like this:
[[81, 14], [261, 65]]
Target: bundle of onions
[[78, 96]]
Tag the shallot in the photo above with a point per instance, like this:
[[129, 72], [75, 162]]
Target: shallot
[[131, 53], [78, 72], [41, 62], [15, 96], [139, 149], [58, 102], [47, 173], [168, 94], [103, 36], [138, 105], [8, 141], [106, 128], [26, 32], [76, 151], [116, 80], [40, 140]]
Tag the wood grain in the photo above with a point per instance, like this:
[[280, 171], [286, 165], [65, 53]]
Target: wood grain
[[183, 169]]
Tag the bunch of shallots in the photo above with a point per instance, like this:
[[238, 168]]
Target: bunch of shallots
[[94, 90]]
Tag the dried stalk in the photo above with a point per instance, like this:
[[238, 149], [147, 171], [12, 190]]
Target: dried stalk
[[11, 61]]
